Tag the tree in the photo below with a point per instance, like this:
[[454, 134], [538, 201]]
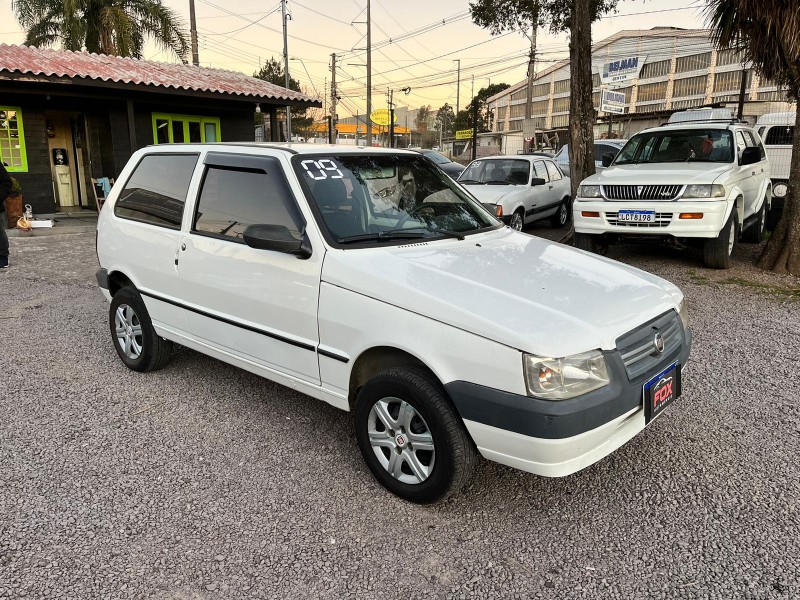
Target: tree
[[484, 118], [117, 27], [445, 119], [767, 33], [575, 16], [423, 114], [272, 71]]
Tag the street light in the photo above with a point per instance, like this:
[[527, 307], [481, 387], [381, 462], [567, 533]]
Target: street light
[[307, 73]]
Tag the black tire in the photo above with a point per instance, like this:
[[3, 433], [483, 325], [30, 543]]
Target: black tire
[[452, 459], [145, 351], [717, 251], [590, 242], [755, 233], [561, 218], [517, 221]]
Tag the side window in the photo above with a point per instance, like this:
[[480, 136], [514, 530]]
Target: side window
[[599, 150], [156, 191], [231, 199], [555, 174], [740, 143], [780, 136], [753, 141], [541, 170]]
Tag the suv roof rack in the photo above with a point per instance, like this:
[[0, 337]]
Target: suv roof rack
[[732, 121]]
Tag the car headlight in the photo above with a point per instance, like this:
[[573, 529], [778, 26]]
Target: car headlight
[[704, 191], [589, 191], [683, 313], [563, 378]]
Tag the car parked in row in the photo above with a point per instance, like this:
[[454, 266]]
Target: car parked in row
[[694, 180], [367, 278], [520, 189], [450, 167], [776, 130], [601, 148]]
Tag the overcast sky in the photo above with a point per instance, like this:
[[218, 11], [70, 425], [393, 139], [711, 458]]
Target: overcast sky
[[427, 38]]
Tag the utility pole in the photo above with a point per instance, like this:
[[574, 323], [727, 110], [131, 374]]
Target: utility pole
[[458, 88], [286, 70], [368, 118], [193, 25], [391, 118], [332, 132], [531, 68]]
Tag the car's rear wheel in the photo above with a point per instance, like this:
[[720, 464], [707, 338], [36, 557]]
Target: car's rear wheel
[[517, 220], [755, 233], [411, 437], [717, 251], [135, 340], [561, 217]]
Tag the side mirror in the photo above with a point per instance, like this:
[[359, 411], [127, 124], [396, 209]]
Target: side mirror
[[277, 238], [538, 181], [608, 158], [750, 155]]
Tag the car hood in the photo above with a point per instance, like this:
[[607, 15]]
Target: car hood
[[510, 287], [493, 194], [660, 174]]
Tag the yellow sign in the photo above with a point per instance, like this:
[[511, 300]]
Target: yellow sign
[[381, 116], [464, 134]]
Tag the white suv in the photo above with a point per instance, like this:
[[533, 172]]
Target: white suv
[[369, 279], [705, 182]]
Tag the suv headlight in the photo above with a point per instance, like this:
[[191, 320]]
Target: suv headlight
[[563, 378], [704, 191], [683, 313], [589, 191]]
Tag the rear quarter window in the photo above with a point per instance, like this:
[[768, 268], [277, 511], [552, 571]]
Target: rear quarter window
[[780, 136], [156, 191]]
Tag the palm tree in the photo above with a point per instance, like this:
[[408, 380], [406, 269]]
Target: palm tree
[[767, 33], [117, 27]]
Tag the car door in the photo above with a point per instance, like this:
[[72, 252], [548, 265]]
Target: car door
[[559, 183], [257, 305], [759, 171], [746, 174], [540, 196]]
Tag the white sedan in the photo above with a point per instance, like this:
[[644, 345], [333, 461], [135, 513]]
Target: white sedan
[[520, 189]]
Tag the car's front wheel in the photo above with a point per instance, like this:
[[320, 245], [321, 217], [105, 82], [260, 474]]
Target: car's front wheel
[[517, 220], [411, 437], [135, 340], [717, 251], [755, 233]]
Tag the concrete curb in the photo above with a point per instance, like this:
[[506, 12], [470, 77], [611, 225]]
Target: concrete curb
[[63, 223]]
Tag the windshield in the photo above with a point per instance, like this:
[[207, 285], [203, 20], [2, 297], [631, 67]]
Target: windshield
[[678, 145], [439, 159], [358, 198], [497, 171]]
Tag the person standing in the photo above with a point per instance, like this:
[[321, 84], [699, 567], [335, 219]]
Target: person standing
[[5, 191]]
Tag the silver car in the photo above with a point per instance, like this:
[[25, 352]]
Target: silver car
[[520, 189], [601, 148]]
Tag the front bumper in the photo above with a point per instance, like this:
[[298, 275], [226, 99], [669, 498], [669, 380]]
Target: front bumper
[[557, 438], [668, 221]]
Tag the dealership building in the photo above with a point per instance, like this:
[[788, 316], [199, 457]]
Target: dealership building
[[639, 77]]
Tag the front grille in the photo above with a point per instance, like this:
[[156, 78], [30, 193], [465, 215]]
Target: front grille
[[641, 192], [637, 349], [662, 220]]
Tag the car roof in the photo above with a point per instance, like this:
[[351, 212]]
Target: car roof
[[290, 148], [778, 118], [528, 157], [721, 125]]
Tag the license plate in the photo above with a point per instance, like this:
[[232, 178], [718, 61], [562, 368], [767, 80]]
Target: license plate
[[637, 216], [661, 391]]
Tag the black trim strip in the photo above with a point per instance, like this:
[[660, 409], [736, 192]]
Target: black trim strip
[[333, 355], [274, 336]]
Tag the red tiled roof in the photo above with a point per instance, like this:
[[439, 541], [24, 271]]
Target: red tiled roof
[[47, 62]]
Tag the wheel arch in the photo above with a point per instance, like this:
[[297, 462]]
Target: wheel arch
[[376, 359], [118, 280]]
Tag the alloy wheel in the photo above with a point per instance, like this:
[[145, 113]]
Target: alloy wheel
[[401, 440], [516, 221], [129, 331]]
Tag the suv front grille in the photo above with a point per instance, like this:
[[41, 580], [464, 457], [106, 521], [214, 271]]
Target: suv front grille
[[662, 220], [641, 192], [638, 350]]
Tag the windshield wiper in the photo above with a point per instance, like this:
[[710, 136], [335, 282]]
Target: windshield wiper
[[380, 236], [443, 232], [499, 182], [470, 181]]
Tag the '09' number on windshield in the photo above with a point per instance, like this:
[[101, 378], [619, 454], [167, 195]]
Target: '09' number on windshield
[[325, 166]]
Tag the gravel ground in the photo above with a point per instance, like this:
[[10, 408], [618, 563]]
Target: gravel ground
[[203, 481]]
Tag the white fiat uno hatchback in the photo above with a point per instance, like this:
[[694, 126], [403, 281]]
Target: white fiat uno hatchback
[[369, 279]]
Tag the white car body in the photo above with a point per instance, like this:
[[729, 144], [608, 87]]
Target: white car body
[[468, 309], [777, 131], [659, 191], [520, 202]]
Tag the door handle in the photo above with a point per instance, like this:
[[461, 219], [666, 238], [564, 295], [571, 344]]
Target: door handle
[[183, 246]]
